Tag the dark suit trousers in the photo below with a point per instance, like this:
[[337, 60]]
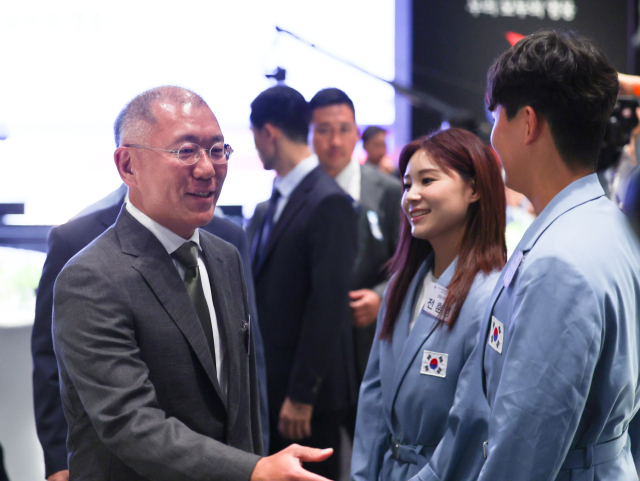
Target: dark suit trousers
[[325, 433]]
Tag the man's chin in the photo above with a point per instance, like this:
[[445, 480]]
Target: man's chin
[[205, 217]]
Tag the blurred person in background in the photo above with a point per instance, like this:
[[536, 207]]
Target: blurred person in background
[[374, 144], [376, 200], [303, 248], [617, 176], [450, 253]]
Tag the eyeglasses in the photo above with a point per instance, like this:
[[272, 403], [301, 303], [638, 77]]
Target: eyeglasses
[[189, 153]]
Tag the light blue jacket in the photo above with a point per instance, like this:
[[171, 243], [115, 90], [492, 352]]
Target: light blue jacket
[[397, 401], [565, 387]]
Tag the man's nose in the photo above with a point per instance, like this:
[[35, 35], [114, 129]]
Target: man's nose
[[204, 168], [336, 138]]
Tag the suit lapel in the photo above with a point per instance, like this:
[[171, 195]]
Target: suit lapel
[[227, 326], [370, 191], [156, 267], [392, 351], [423, 328], [296, 202]]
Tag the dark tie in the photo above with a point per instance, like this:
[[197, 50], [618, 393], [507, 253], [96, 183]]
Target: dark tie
[[187, 254], [354, 203], [260, 246]]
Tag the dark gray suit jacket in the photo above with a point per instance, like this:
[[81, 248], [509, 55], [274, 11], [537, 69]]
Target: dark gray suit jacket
[[378, 225], [138, 383], [63, 243]]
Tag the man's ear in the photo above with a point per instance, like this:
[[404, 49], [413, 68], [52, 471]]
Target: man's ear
[[124, 164], [271, 131], [534, 124]]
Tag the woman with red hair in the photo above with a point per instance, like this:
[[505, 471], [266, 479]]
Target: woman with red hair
[[449, 255]]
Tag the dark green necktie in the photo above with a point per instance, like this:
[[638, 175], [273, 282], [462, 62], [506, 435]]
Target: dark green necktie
[[187, 254]]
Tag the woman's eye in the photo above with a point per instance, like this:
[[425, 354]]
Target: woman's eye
[[406, 186], [426, 181]]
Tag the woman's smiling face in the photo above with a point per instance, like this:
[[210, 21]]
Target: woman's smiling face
[[435, 201]]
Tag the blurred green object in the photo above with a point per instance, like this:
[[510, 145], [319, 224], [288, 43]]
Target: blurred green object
[[20, 272]]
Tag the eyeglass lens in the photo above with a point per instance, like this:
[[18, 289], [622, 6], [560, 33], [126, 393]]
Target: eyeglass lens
[[190, 153]]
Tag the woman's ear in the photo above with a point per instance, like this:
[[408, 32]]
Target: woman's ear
[[474, 192]]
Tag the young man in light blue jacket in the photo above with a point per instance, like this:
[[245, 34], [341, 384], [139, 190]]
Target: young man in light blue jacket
[[560, 344]]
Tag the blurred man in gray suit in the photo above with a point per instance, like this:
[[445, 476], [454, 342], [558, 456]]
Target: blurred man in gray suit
[[376, 198], [151, 321]]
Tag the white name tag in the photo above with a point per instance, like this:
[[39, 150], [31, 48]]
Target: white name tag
[[374, 224], [496, 335], [434, 364], [434, 300]]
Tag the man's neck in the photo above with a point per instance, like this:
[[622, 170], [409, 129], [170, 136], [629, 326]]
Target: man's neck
[[334, 172], [549, 181], [290, 155]]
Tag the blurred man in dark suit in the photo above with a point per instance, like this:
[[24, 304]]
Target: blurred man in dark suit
[[303, 246], [376, 198]]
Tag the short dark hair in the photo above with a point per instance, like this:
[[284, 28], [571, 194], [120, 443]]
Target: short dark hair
[[284, 108], [331, 96], [564, 78], [371, 132], [137, 114]]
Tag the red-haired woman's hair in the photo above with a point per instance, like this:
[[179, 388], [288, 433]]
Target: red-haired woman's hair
[[482, 247]]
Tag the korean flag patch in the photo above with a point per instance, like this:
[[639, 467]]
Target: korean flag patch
[[434, 364], [496, 335]]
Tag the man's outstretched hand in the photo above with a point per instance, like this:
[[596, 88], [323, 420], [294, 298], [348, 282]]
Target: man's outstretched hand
[[286, 465]]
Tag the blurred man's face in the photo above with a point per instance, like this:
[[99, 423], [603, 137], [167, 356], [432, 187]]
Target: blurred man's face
[[179, 197], [334, 137], [376, 148], [264, 146]]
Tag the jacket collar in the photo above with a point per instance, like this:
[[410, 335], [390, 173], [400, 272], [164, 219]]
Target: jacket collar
[[578, 192], [406, 346]]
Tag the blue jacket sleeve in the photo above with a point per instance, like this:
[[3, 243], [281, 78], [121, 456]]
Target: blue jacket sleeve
[[370, 440]]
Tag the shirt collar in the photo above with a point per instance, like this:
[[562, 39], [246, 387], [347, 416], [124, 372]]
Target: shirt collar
[[349, 179], [287, 184], [170, 240], [578, 192]]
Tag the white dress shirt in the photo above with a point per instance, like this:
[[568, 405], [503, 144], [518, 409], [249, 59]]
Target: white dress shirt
[[350, 179], [171, 243], [287, 184]]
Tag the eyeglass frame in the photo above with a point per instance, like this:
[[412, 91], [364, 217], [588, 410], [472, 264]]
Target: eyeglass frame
[[197, 157]]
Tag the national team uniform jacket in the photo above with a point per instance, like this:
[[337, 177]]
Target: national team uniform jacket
[[409, 388], [560, 341]]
